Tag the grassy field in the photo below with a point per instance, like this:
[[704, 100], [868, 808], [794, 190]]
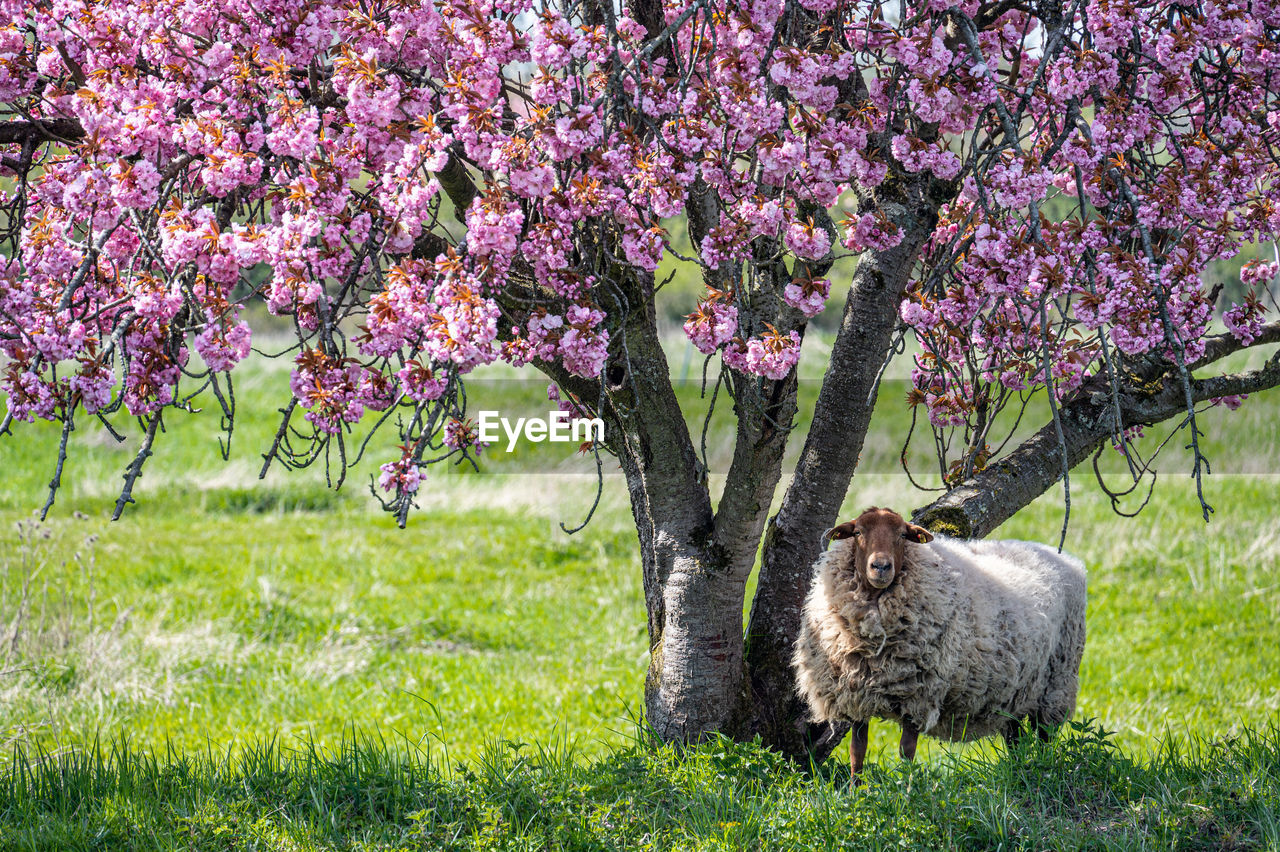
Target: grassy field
[[1079, 792], [228, 618]]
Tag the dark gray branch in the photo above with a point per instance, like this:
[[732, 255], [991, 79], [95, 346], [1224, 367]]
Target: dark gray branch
[[841, 417], [42, 130], [988, 499], [1221, 345], [134, 470], [765, 411], [456, 182]]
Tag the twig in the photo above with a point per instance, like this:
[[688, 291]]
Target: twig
[[596, 502], [135, 469], [271, 454], [897, 346], [68, 426], [1057, 421]]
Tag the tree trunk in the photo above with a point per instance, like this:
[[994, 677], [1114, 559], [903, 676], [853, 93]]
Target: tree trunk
[[704, 675], [693, 594], [769, 707]]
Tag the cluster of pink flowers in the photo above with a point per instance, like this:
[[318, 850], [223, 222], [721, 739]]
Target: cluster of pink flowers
[[871, 231], [713, 324], [917, 155], [575, 339], [462, 435], [403, 476], [337, 391], [222, 345], [470, 181], [420, 382], [807, 240], [772, 354], [1005, 287], [1245, 319], [807, 295]]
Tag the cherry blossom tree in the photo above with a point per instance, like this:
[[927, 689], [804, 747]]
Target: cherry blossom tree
[[1032, 191]]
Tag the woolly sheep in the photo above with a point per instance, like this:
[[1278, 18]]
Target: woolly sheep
[[955, 639]]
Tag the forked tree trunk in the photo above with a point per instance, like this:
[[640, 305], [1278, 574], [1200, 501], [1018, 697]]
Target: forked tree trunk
[[694, 601], [769, 707], [705, 674]]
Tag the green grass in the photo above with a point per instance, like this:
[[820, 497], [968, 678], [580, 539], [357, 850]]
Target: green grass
[[1079, 792], [234, 626], [242, 635], [249, 618]]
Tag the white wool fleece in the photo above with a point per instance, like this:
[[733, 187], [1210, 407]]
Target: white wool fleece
[[971, 637]]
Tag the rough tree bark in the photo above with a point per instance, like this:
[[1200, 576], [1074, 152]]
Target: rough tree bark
[[768, 707], [976, 507], [705, 674]]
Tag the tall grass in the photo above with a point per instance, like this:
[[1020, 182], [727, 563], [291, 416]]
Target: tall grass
[[1078, 792]]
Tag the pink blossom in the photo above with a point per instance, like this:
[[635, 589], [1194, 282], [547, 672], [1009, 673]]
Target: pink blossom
[[220, 347], [403, 476], [94, 383], [1231, 403], [644, 248], [1245, 320], [808, 296], [808, 240], [773, 355], [306, 150], [420, 382], [462, 435], [713, 324]]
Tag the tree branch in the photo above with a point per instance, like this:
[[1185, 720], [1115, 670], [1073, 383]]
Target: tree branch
[[1221, 345], [134, 470], [458, 185], [986, 500], [41, 130], [765, 411], [841, 417]]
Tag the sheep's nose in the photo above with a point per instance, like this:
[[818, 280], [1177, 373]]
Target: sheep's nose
[[881, 565]]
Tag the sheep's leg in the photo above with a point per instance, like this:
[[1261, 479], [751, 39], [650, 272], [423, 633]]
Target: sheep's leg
[[907, 745], [1013, 734], [858, 750], [1044, 729]]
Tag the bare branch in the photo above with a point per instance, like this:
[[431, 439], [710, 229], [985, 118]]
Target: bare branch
[[41, 130], [134, 470], [1220, 346], [68, 426], [983, 502]]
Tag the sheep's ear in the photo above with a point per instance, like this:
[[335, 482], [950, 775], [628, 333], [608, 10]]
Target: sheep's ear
[[919, 535], [844, 530]]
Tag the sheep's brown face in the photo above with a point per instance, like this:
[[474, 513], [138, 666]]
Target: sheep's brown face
[[879, 544]]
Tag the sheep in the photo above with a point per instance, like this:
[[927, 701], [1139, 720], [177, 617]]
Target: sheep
[[955, 639]]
